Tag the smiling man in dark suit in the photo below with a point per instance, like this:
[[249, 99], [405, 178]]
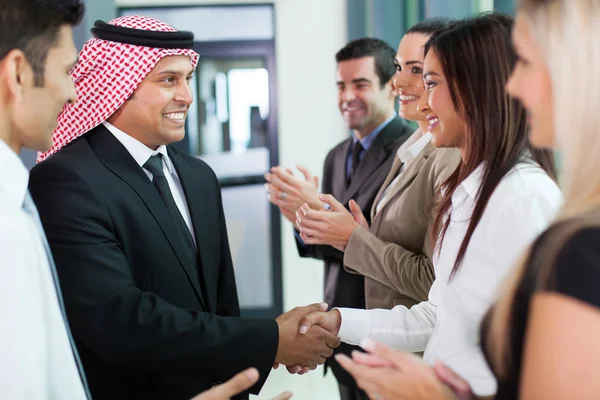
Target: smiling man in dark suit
[[138, 233], [354, 169]]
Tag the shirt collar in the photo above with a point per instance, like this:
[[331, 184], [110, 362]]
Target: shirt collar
[[368, 140], [415, 147], [468, 187], [139, 151], [14, 176]]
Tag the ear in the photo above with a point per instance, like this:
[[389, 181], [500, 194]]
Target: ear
[[16, 73], [390, 86]]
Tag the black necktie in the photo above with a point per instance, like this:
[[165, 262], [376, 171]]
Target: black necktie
[[155, 166], [357, 150], [30, 208]]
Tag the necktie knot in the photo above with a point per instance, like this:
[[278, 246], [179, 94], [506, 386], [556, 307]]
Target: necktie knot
[[155, 166]]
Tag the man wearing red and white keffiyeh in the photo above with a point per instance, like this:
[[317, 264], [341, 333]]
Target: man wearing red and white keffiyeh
[[138, 233]]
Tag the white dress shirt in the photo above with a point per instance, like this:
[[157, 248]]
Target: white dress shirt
[[141, 153], [406, 154], [36, 359], [446, 326]]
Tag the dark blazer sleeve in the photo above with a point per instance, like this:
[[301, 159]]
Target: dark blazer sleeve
[[123, 325], [317, 251]]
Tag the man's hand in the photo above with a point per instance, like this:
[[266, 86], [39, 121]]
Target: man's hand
[[239, 383], [330, 321], [389, 374], [289, 193], [332, 227], [306, 350]]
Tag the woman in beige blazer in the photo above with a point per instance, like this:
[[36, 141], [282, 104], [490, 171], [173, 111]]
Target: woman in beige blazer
[[395, 252]]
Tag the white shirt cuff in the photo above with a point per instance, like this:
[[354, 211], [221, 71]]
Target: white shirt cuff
[[355, 326]]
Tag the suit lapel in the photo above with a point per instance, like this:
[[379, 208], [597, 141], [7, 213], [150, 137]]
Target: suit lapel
[[377, 154], [116, 158], [192, 190], [396, 165], [407, 176], [339, 181]]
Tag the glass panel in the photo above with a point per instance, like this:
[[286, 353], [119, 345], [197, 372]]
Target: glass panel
[[247, 213], [215, 23], [505, 6], [451, 9], [233, 106]]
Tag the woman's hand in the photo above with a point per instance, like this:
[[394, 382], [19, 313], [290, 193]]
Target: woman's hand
[[386, 374], [332, 227]]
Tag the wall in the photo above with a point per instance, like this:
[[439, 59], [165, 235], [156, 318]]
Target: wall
[[307, 35]]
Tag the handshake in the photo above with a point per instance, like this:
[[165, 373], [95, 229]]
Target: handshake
[[307, 337]]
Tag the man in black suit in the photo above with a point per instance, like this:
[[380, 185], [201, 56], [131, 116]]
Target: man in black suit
[[354, 169], [138, 232]]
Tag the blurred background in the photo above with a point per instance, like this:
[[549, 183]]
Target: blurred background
[[265, 95]]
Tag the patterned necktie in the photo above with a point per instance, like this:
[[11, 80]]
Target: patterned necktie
[[155, 166], [30, 208]]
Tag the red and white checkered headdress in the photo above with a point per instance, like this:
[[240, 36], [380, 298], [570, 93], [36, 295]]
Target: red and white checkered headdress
[[110, 70]]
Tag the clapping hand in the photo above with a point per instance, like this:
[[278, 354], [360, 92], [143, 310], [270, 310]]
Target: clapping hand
[[387, 374], [239, 383], [333, 226], [288, 192]]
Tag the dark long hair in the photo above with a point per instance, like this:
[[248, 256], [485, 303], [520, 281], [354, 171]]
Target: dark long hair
[[477, 58], [431, 26]]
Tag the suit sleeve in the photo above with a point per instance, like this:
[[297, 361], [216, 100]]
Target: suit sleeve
[[123, 325], [319, 252], [390, 264]]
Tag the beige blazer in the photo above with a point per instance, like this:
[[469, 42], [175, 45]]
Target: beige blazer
[[395, 253]]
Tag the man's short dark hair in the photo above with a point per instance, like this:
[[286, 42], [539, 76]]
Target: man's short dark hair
[[33, 25], [382, 52]]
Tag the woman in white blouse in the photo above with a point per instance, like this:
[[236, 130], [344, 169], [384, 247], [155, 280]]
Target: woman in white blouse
[[498, 199]]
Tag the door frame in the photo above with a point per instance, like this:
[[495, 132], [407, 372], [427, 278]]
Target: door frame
[[265, 50]]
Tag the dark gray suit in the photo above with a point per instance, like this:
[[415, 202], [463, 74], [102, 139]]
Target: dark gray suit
[[343, 289]]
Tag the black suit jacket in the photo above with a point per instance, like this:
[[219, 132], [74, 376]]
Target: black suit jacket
[[147, 324], [343, 289]]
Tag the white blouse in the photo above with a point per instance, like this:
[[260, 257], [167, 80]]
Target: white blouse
[[446, 326]]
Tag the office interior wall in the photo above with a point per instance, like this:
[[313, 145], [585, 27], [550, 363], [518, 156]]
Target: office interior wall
[[308, 33]]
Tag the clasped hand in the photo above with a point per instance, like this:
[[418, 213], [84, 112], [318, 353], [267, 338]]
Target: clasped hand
[[319, 320], [303, 351]]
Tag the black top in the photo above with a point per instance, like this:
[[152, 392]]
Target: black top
[[576, 273]]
